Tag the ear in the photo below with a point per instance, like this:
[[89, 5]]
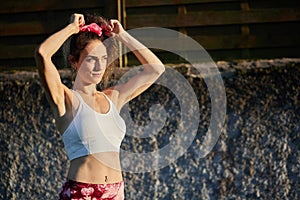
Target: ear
[[73, 62]]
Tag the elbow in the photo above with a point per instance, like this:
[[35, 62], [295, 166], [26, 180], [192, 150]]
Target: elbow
[[160, 68], [41, 52], [156, 68], [40, 55], [39, 59]]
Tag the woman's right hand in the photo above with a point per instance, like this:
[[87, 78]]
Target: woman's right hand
[[77, 20]]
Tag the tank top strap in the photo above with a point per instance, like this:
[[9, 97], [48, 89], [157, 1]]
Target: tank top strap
[[83, 102], [108, 99], [78, 96]]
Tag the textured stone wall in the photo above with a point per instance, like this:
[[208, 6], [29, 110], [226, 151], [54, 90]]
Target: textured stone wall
[[256, 157]]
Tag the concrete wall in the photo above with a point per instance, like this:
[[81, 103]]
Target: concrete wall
[[256, 156]]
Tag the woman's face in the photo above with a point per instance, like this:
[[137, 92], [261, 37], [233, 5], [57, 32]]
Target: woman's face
[[92, 62]]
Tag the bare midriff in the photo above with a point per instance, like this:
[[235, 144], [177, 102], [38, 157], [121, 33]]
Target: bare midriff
[[100, 168]]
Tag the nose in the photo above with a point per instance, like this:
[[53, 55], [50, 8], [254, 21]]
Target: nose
[[99, 66]]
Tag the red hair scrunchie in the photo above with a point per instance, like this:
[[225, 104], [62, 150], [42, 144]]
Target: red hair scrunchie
[[93, 27]]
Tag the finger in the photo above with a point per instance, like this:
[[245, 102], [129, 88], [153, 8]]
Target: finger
[[110, 25], [72, 18], [116, 23], [81, 20]]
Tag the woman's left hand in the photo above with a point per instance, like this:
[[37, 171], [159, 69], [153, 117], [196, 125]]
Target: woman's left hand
[[115, 27]]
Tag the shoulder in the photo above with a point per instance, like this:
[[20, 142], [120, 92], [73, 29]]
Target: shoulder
[[112, 94]]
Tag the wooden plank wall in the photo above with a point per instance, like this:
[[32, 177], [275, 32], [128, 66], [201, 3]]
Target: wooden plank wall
[[26, 23], [227, 29]]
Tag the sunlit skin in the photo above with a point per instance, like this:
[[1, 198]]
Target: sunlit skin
[[90, 67], [92, 63]]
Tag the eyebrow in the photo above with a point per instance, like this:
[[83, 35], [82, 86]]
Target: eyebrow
[[91, 55], [96, 57]]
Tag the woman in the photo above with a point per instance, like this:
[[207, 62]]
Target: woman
[[89, 120]]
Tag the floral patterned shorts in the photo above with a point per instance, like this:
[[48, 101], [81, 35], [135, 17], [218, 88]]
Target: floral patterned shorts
[[73, 190]]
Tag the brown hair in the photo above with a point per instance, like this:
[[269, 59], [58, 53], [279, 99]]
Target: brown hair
[[80, 40]]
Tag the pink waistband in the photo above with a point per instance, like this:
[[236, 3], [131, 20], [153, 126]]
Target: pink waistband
[[79, 190]]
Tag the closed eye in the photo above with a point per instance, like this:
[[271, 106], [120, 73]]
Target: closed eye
[[104, 57], [91, 58]]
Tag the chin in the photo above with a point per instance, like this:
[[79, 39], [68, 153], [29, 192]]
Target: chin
[[97, 81]]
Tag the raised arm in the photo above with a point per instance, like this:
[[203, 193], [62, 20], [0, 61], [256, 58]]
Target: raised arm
[[152, 66], [49, 76]]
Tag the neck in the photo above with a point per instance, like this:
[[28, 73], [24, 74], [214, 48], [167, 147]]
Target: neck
[[86, 89]]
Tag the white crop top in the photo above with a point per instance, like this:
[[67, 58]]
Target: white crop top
[[92, 132]]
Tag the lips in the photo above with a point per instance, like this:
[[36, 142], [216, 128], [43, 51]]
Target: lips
[[96, 74]]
